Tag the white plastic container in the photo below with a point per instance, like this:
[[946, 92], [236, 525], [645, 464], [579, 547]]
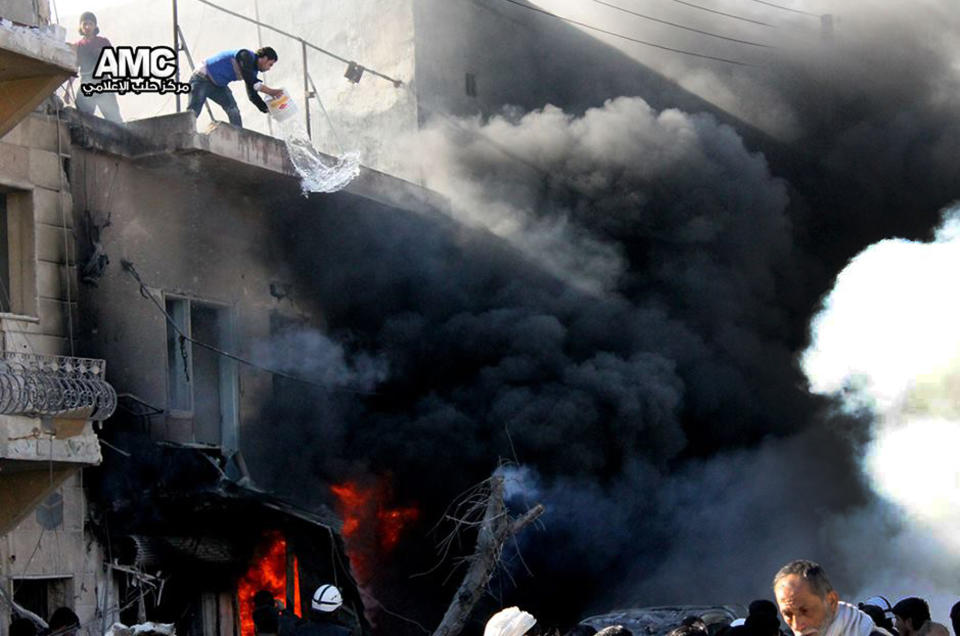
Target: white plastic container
[[283, 107]]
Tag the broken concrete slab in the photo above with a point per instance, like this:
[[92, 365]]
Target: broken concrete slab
[[33, 62]]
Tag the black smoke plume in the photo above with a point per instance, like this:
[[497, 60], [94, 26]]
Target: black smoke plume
[[617, 304]]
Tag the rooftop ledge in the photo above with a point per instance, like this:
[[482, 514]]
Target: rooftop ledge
[[39, 51], [33, 62], [240, 158]]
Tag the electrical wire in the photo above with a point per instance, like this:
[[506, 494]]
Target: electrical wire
[[129, 268], [682, 26], [397, 83], [791, 9], [623, 37], [66, 237], [729, 15]]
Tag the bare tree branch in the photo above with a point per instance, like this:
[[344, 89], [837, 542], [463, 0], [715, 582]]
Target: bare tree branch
[[496, 528]]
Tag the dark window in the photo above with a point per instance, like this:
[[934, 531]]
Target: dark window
[[202, 382], [31, 594], [471, 85], [205, 324], [43, 595]]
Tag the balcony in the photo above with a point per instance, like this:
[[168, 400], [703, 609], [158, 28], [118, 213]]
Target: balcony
[[47, 408], [58, 386]]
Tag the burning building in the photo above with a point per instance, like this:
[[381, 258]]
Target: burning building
[[627, 329], [206, 324]]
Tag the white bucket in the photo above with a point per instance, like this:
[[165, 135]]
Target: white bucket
[[283, 107]]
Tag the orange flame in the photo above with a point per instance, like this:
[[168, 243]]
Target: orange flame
[[371, 530], [355, 504], [268, 571], [391, 525], [296, 588]]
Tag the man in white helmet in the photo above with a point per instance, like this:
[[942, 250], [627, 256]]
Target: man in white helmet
[[324, 614], [511, 621]]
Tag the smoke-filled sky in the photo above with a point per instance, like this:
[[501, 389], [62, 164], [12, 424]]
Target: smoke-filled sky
[[618, 299]]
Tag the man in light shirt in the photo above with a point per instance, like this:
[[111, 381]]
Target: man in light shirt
[[811, 607]]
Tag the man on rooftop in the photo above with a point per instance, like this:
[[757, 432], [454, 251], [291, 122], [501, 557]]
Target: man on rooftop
[[88, 49], [211, 80]]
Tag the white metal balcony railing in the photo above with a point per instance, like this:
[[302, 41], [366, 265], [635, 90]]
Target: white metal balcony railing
[[36, 385]]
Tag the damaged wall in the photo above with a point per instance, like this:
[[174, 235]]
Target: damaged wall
[[194, 240], [197, 216]]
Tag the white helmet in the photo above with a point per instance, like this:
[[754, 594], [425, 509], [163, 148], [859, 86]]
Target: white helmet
[[878, 601], [509, 622], [327, 598]]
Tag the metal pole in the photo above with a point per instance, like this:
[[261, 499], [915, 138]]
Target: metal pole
[[306, 88], [186, 51], [256, 14], [176, 47]]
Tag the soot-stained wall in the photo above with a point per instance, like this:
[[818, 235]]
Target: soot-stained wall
[[190, 237]]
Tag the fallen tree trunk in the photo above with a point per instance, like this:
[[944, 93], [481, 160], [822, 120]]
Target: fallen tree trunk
[[496, 529]]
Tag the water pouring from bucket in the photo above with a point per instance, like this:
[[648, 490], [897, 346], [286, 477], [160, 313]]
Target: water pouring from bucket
[[318, 173]]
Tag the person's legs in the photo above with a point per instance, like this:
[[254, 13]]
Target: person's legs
[[224, 96], [85, 104], [109, 107], [199, 88]]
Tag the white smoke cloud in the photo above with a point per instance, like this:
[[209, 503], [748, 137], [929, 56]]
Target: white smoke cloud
[[312, 356], [888, 339]]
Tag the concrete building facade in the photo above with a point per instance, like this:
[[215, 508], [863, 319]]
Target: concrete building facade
[[50, 399]]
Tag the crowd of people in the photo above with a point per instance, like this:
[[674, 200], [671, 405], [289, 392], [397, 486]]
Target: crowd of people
[[805, 600]]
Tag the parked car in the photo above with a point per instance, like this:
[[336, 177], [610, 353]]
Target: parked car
[[658, 621]]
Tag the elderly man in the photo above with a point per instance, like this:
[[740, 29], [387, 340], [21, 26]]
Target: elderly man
[[811, 607]]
